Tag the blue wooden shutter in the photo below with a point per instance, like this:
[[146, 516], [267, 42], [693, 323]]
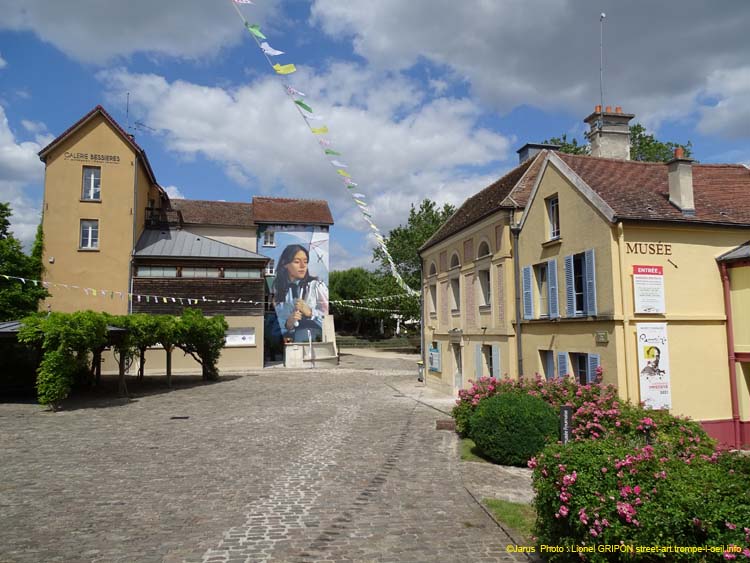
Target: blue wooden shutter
[[528, 302], [590, 283], [478, 363], [562, 364], [593, 363], [550, 367], [554, 310], [496, 361], [570, 289]]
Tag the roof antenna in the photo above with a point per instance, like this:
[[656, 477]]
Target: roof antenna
[[602, 17], [127, 112]]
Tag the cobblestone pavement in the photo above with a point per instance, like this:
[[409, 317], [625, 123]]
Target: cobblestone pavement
[[334, 465]]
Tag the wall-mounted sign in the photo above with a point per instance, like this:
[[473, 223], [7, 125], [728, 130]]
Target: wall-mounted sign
[[92, 157], [433, 359], [656, 248], [239, 337], [648, 288], [653, 364]]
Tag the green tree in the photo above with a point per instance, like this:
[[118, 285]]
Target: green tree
[[17, 298], [570, 147], [202, 338], [404, 241]]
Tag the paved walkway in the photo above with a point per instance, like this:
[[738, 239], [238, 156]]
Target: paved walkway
[[338, 465]]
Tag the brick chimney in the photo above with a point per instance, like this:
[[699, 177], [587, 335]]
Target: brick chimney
[[680, 172], [609, 132]]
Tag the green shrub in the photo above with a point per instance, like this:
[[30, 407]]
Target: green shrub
[[54, 377], [462, 415], [610, 492], [512, 427]]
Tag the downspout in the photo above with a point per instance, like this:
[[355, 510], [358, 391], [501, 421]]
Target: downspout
[[423, 320], [625, 311], [515, 231], [135, 215], [731, 356]]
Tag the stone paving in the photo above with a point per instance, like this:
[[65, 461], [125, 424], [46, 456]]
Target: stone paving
[[293, 466]]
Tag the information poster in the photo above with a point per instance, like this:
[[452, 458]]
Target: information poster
[[648, 285], [653, 364], [433, 359]]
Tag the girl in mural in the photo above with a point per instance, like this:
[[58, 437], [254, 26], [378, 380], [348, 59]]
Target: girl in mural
[[300, 300]]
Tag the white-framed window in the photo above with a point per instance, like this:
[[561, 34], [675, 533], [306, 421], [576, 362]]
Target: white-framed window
[[156, 272], [580, 284], [485, 291], [269, 238], [92, 181], [89, 234], [553, 217], [455, 295], [542, 286], [271, 268], [540, 291], [433, 298], [200, 272], [244, 273], [487, 360]]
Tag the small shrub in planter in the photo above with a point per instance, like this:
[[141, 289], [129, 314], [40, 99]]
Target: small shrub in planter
[[512, 427]]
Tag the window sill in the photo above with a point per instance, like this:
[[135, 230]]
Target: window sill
[[552, 242], [485, 308], [455, 312], [88, 250], [433, 315], [90, 200]]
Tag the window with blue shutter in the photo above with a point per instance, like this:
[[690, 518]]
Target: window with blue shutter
[[528, 302], [496, 361], [562, 364], [593, 363], [554, 310], [590, 266], [478, 361], [570, 292]]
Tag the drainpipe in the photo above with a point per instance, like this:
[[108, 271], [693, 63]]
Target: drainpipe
[[423, 316], [515, 230], [623, 304], [731, 356], [135, 215]]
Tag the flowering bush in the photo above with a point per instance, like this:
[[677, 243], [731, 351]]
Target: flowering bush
[[606, 492]]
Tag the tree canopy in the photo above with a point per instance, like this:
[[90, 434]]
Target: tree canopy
[[18, 299], [644, 147]]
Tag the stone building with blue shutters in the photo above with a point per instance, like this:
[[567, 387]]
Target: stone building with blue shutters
[[569, 263]]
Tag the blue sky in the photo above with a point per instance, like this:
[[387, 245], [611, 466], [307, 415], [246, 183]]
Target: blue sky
[[427, 98]]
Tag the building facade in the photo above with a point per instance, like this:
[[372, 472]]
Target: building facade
[[617, 269], [115, 242]]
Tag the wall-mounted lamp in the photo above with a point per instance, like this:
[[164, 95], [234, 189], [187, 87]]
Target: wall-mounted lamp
[[51, 259]]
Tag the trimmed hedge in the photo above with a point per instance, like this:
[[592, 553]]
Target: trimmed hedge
[[512, 427]]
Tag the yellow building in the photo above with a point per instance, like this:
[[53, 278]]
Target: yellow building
[[617, 269], [114, 241]]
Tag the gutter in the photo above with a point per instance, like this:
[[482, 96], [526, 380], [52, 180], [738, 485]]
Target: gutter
[[515, 231], [135, 227], [625, 311], [731, 356]]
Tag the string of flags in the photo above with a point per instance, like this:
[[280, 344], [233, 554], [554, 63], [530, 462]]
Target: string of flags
[[305, 110], [156, 299], [349, 306]]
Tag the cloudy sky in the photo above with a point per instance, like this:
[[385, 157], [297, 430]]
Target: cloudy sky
[[423, 99]]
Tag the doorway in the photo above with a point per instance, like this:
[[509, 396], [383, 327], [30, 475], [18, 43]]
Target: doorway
[[458, 382]]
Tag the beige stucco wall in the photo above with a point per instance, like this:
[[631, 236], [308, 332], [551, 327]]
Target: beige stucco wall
[[245, 238], [232, 358], [476, 325], [107, 268], [739, 283]]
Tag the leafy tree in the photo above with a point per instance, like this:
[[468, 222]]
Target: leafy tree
[[17, 299], [202, 338], [570, 147], [643, 147], [647, 148], [166, 334], [354, 283]]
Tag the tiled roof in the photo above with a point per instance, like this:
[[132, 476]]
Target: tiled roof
[[126, 137], [640, 190], [742, 252], [224, 213], [179, 243], [291, 211], [510, 191]]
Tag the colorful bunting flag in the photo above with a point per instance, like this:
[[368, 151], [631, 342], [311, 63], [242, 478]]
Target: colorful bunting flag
[[339, 164], [270, 51], [343, 173], [284, 69], [319, 130], [332, 152], [255, 30], [293, 91], [243, 1], [303, 105]]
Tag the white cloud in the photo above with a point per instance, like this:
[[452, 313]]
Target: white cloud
[[545, 53], [174, 192], [21, 178], [399, 147], [343, 259], [730, 115], [92, 31], [3, 62]]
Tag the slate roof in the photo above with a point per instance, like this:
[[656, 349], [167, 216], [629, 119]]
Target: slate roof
[[99, 110], [510, 191], [182, 244], [221, 213], [291, 211], [640, 190], [742, 252]]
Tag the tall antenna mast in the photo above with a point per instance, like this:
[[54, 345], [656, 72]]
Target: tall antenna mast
[[127, 112], [602, 17]]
